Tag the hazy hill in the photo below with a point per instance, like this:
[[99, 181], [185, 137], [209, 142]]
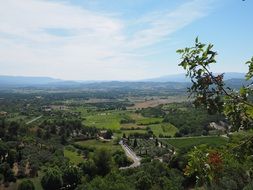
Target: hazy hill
[[182, 78], [179, 81], [24, 81]]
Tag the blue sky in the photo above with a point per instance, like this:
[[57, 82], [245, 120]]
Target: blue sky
[[119, 40]]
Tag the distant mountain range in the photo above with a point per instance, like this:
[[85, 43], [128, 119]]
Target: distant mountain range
[[182, 77], [172, 81], [23, 80]]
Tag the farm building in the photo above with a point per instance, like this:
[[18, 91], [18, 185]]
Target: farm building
[[3, 113]]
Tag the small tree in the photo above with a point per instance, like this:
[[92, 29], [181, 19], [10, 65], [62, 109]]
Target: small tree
[[3, 151], [135, 143], [26, 185], [103, 161], [63, 139], [72, 176], [13, 128], [143, 182], [156, 142], [12, 157], [47, 134], [89, 168], [39, 133], [34, 170], [108, 134], [52, 179], [7, 173]]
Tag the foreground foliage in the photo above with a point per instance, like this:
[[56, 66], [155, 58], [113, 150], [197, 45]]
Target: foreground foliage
[[213, 168]]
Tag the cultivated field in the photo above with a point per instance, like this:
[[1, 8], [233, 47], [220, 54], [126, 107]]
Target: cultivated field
[[98, 144], [165, 129], [155, 101], [187, 142], [107, 120]]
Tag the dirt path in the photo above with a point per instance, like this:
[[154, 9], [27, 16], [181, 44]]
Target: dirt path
[[27, 123], [130, 154]]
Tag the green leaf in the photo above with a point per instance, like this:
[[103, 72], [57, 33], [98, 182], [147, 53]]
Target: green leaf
[[243, 91], [197, 40], [201, 46], [180, 51]]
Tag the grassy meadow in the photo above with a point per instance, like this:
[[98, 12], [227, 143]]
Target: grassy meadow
[[98, 144], [165, 129], [73, 156]]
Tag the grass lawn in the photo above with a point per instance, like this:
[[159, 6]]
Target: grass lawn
[[97, 144], [73, 156], [166, 129], [193, 141]]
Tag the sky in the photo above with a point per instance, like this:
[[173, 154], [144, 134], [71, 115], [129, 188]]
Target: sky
[[119, 39]]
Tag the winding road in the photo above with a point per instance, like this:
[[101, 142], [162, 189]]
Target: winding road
[[130, 154]]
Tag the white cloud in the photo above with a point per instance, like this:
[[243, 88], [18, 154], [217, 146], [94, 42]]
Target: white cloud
[[62, 40], [162, 24]]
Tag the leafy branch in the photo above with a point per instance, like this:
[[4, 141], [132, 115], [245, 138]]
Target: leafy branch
[[210, 90]]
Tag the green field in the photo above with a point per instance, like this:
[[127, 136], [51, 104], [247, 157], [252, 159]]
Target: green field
[[107, 120], [165, 129], [73, 156], [148, 121], [135, 116], [111, 119], [131, 126], [193, 141], [97, 144], [128, 132]]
